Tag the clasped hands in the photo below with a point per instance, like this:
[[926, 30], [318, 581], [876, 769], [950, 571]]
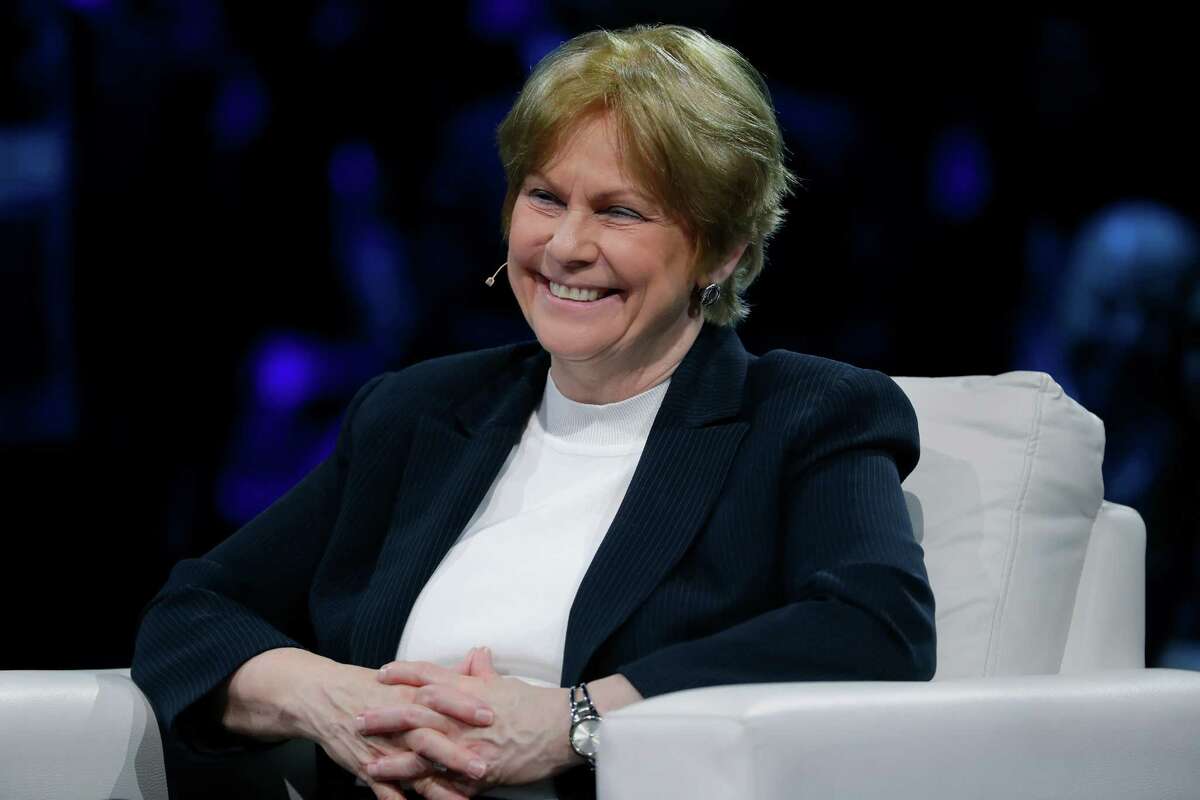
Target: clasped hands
[[464, 730]]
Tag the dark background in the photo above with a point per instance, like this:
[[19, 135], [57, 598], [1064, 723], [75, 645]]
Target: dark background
[[217, 220]]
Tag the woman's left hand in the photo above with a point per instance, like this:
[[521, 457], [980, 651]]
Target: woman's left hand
[[526, 741]]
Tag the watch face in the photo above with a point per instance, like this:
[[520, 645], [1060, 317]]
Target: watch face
[[585, 736]]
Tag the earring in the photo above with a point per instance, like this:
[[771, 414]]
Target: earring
[[710, 295]]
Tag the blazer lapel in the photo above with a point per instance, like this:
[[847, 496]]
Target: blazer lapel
[[453, 461], [678, 477]]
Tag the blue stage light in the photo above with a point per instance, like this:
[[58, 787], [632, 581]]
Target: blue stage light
[[502, 19], [240, 111], [960, 175], [285, 373], [353, 169]]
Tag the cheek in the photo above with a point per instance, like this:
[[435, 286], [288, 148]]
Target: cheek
[[522, 250], [661, 273], [520, 280], [526, 228]]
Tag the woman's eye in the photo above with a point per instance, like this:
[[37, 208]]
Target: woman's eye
[[542, 196], [621, 211]]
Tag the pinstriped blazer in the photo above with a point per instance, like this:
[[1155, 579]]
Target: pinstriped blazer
[[763, 537]]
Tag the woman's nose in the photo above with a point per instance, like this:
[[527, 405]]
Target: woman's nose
[[572, 242]]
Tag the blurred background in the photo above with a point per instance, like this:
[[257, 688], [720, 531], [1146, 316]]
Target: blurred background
[[218, 220]]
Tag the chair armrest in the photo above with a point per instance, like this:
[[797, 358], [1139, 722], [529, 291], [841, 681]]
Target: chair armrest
[[1124, 734], [82, 734], [1108, 624]]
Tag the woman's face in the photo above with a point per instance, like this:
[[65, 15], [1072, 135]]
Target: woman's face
[[580, 223]]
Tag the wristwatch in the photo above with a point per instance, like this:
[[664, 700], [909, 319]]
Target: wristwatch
[[585, 724]]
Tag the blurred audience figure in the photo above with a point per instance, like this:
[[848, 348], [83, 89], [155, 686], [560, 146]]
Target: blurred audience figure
[[1123, 318]]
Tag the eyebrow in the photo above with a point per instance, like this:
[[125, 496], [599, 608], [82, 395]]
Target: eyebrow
[[608, 195]]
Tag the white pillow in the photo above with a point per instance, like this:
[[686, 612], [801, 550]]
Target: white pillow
[[1003, 501]]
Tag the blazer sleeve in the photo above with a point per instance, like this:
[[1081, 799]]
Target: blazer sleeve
[[859, 604], [247, 595]]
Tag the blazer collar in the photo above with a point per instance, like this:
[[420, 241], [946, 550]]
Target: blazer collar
[[705, 388]]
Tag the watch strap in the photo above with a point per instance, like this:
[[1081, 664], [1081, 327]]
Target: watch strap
[[581, 708]]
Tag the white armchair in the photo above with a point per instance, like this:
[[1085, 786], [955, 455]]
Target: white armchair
[[1040, 690]]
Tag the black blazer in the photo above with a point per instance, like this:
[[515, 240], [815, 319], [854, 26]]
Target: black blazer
[[764, 535]]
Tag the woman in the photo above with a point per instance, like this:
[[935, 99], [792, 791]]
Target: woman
[[631, 505]]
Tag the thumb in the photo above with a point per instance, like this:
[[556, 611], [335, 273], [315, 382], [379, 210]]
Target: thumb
[[481, 665]]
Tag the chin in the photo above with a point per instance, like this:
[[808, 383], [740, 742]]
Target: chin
[[569, 348], [571, 342]]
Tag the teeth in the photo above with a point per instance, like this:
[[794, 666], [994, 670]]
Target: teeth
[[572, 293]]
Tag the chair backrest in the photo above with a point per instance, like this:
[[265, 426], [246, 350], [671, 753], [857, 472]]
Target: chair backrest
[[1003, 501]]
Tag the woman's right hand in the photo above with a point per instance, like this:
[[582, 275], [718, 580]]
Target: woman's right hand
[[335, 728], [320, 700]]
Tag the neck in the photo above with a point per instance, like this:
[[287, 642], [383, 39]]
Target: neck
[[610, 379]]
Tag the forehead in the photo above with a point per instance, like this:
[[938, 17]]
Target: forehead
[[592, 156], [592, 146]]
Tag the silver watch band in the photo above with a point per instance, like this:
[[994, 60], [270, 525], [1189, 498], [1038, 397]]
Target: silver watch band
[[582, 705], [584, 721]]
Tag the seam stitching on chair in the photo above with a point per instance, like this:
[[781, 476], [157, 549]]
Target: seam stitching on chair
[[1031, 448]]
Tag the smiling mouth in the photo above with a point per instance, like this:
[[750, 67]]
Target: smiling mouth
[[577, 294]]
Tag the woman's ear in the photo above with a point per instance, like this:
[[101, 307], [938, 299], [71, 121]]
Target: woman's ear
[[726, 268]]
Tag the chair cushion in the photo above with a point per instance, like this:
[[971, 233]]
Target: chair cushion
[[1003, 501]]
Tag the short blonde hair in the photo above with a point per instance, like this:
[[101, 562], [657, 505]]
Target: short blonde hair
[[695, 122]]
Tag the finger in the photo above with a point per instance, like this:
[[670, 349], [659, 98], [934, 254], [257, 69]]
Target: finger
[[455, 703], [400, 767], [385, 792], [481, 664], [464, 666], [437, 789], [433, 746], [415, 673], [449, 780], [406, 717], [460, 784]]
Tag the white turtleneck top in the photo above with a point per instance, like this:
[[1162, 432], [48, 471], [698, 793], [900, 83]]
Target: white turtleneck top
[[510, 579]]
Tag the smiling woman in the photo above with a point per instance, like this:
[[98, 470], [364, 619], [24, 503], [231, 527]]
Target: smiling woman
[[531, 536]]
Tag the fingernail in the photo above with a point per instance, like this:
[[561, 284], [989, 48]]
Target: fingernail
[[484, 716], [373, 769], [383, 671], [477, 768], [487, 651], [360, 722]]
